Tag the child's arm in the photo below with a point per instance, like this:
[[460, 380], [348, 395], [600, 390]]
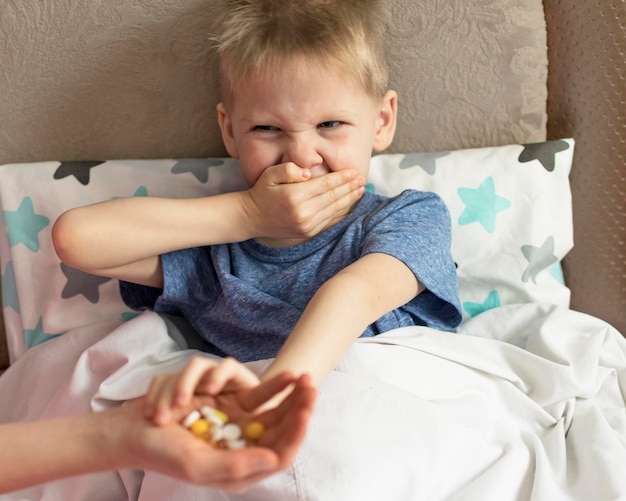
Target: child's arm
[[123, 238], [341, 310]]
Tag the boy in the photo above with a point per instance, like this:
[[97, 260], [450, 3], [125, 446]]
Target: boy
[[304, 97]]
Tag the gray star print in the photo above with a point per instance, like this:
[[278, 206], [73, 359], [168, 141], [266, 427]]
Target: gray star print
[[79, 282], [427, 161], [199, 167], [539, 258]]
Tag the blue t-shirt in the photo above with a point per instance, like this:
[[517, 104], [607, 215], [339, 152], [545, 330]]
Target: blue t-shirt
[[245, 298]]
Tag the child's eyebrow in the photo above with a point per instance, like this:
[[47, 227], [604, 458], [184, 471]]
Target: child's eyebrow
[[260, 118]]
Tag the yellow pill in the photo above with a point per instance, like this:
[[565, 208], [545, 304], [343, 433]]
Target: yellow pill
[[254, 430], [222, 416], [200, 428]]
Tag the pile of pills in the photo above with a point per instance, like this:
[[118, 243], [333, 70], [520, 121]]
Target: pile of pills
[[212, 425]]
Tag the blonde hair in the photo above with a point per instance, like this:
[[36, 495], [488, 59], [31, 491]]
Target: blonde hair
[[259, 35]]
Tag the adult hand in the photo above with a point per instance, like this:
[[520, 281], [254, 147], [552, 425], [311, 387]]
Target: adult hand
[[230, 387], [287, 203]]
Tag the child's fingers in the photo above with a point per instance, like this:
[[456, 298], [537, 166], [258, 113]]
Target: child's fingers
[[166, 402], [158, 398], [326, 198], [190, 378], [286, 173], [302, 396], [287, 423], [149, 402], [290, 419], [266, 390], [290, 172], [334, 193], [228, 375]]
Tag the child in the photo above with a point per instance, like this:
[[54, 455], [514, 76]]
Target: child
[[304, 102]]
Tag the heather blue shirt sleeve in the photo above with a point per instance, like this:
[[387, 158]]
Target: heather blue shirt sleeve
[[416, 229], [139, 297], [187, 277]]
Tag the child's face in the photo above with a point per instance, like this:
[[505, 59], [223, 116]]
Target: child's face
[[310, 115]]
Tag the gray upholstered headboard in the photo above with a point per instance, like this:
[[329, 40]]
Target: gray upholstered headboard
[[587, 100], [85, 80], [136, 79]]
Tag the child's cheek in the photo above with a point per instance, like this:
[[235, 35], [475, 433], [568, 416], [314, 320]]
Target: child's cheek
[[255, 161], [342, 155]]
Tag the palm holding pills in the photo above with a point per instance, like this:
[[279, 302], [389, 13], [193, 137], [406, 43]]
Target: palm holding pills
[[221, 403]]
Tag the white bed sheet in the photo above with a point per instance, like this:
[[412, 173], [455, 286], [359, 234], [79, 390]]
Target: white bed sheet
[[526, 402]]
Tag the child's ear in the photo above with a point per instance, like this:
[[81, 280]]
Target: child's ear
[[226, 126], [387, 118]]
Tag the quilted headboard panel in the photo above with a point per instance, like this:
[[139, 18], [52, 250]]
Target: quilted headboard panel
[[137, 78], [587, 101]]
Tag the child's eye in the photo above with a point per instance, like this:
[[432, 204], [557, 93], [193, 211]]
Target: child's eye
[[266, 128], [331, 124]]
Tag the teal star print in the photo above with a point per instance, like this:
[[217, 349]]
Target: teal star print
[[492, 301], [23, 225], [129, 315], [482, 204], [33, 337], [557, 273], [9, 289], [142, 191]]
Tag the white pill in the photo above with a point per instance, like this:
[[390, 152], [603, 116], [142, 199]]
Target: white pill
[[218, 434], [231, 432], [214, 420], [236, 444], [207, 412], [191, 418]]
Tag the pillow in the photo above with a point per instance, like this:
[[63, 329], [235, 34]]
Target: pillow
[[511, 215], [510, 208]]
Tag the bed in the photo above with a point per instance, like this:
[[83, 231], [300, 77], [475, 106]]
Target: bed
[[504, 113]]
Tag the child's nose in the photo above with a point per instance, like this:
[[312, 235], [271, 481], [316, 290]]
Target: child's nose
[[303, 153]]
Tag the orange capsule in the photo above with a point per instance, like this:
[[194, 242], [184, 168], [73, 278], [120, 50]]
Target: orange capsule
[[254, 430], [200, 428]]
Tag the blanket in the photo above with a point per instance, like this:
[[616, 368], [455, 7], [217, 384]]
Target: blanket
[[525, 402]]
